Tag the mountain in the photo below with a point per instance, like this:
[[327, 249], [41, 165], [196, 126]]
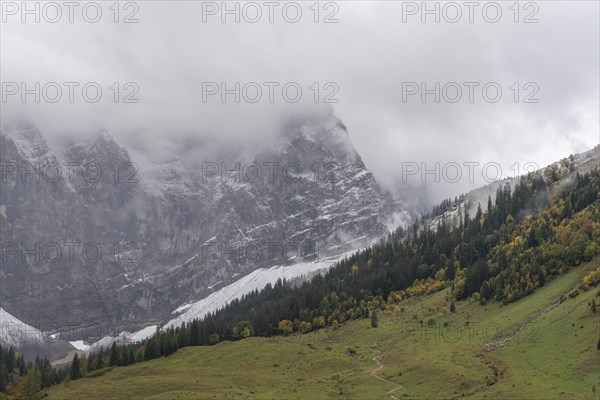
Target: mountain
[[532, 257], [503, 254], [93, 243], [458, 306]]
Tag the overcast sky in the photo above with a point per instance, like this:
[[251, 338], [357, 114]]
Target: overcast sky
[[368, 54]]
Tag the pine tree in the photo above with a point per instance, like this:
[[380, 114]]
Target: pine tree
[[479, 213], [125, 356], [452, 307], [132, 359], [10, 359], [532, 239], [90, 362], [139, 356], [182, 337], [484, 292], [22, 366], [194, 333], [75, 372], [374, 319], [114, 355], [100, 363], [47, 374], [3, 378], [541, 277], [594, 308]]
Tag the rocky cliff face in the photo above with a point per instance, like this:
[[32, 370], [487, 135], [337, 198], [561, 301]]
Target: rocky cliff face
[[88, 239]]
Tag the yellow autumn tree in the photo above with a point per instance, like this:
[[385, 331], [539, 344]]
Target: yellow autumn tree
[[285, 326]]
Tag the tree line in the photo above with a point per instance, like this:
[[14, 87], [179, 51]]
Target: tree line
[[532, 232]]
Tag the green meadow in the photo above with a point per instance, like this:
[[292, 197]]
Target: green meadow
[[535, 348]]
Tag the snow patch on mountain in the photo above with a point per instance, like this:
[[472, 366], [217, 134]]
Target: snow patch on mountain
[[121, 339], [31, 341], [14, 332], [256, 280], [80, 345]]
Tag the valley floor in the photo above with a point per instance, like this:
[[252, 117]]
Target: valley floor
[[535, 348]]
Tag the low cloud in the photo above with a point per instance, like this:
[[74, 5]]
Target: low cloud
[[366, 59]]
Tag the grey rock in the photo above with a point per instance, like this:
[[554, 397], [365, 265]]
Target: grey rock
[[168, 233]]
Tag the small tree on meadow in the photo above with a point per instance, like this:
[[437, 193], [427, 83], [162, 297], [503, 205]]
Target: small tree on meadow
[[374, 319], [285, 326]]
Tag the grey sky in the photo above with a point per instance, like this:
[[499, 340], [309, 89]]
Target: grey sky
[[368, 54]]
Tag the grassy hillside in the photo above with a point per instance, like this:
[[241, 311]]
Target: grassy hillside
[[534, 348]]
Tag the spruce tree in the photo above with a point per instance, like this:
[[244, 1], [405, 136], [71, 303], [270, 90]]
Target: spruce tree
[[132, 359], [22, 366], [541, 277], [374, 319], [47, 374], [114, 355], [10, 359], [125, 356], [100, 363], [75, 372], [90, 362], [4, 380], [194, 333]]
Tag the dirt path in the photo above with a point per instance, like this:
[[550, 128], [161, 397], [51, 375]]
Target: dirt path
[[374, 375], [501, 342], [498, 374]]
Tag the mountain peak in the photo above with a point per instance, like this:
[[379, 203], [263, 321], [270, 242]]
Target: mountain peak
[[103, 148], [106, 140], [28, 141]]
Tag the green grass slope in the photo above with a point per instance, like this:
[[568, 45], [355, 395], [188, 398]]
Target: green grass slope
[[535, 348]]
